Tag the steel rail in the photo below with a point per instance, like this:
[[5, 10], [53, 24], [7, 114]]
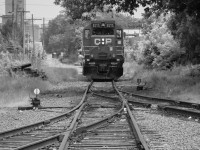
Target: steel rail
[[134, 102], [187, 108], [140, 142], [49, 140], [139, 137], [186, 111], [65, 142], [196, 105], [98, 123]]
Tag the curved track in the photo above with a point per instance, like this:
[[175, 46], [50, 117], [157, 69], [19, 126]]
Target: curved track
[[96, 123], [47, 133], [118, 130], [182, 107]]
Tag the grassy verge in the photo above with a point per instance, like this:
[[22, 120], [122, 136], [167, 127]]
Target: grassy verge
[[181, 83], [16, 91]]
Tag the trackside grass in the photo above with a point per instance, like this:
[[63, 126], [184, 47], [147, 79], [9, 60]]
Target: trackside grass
[[181, 82], [16, 91]]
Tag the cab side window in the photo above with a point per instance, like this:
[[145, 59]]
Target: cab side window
[[119, 33], [87, 33]]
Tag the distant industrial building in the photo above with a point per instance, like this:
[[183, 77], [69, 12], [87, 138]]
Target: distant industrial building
[[29, 32], [13, 10]]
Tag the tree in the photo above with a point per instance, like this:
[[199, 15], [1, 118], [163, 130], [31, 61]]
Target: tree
[[158, 48], [64, 35], [186, 30], [7, 30], [76, 8]]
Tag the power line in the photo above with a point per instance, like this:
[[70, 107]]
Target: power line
[[40, 5]]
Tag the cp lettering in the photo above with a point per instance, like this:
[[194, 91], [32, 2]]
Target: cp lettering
[[108, 40], [97, 41], [102, 41]]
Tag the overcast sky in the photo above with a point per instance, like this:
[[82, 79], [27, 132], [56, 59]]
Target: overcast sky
[[45, 9], [39, 8]]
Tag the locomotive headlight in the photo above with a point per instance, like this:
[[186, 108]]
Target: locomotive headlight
[[111, 48], [92, 55], [113, 63], [118, 59], [119, 42], [87, 59], [113, 55], [92, 63]]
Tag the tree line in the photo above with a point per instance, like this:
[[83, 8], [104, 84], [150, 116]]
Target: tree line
[[171, 29]]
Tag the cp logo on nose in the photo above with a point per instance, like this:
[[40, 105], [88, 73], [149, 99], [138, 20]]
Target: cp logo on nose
[[98, 41]]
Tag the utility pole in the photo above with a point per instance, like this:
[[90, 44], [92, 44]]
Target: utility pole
[[43, 33], [32, 19], [12, 12], [13, 5], [23, 28], [43, 30], [33, 34]]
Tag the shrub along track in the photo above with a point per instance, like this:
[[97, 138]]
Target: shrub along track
[[46, 133], [175, 106]]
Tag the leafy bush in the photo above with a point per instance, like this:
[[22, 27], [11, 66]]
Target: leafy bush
[[158, 48]]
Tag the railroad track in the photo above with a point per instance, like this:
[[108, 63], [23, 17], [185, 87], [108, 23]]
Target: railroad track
[[45, 134], [93, 124], [111, 126], [175, 106]]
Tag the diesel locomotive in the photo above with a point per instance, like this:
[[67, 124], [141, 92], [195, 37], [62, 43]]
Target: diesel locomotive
[[103, 50]]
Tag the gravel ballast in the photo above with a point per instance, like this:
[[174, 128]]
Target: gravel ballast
[[178, 132], [60, 95]]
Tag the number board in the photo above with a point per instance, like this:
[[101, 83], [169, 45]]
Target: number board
[[98, 25], [110, 25]]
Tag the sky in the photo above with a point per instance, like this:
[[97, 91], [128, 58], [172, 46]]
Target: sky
[[46, 9], [39, 8]]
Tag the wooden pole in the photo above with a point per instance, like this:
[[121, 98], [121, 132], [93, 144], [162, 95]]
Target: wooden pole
[[32, 20], [43, 34], [13, 28], [33, 34], [23, 28]]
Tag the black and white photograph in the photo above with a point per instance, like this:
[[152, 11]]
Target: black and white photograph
[[99, 75]]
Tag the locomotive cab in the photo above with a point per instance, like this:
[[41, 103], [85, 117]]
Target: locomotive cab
[[103, 50]]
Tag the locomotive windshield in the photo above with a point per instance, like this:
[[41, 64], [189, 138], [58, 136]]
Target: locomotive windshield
[[103, 31]]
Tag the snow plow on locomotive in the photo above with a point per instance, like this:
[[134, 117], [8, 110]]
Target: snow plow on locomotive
[[103, 50]]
